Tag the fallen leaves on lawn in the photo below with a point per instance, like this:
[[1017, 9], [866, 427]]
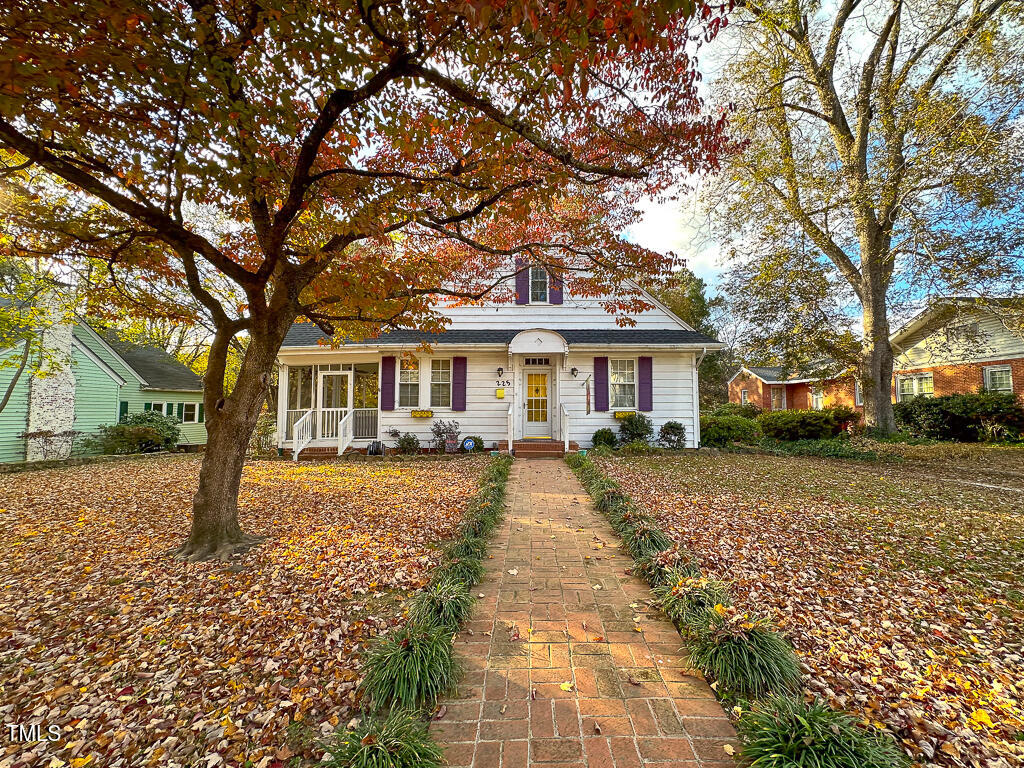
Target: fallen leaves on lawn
[[143, 660], [904, 597]]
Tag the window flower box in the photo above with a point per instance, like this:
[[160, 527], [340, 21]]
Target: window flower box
[[421, 414], [623, 414]]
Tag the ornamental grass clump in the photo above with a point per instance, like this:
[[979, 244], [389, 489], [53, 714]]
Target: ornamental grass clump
[[472, 547], [742, 654], [468, 570], [666, 567], [645, 538], [611, 500], [690, 601], [782, 732], [446, 603], [410, 667], [400, 740]]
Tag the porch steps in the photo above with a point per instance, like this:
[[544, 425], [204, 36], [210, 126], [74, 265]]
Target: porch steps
[[541, 449]]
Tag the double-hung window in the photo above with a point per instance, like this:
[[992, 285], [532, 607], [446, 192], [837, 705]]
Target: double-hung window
[[167, 409], [622, 381], [743, 396], [915, 385], [409, 383], [779, 398], [817, 398], [190, 413], [538, 285], [998, 378], [440, 383]]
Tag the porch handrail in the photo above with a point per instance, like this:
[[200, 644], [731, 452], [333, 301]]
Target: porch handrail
[[565, 425], [302, 433], [509, 430], [345, 431]]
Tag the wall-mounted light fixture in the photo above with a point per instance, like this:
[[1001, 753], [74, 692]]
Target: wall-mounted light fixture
[[500, 371], [575, 372]]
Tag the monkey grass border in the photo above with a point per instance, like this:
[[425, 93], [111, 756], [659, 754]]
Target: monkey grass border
[[621, 512], [483, 514]]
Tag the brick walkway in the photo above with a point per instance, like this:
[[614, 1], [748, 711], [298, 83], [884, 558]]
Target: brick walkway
[[543, 624]]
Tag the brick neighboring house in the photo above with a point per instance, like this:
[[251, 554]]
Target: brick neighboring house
[[773, 388], [959, 345], [954, 346]]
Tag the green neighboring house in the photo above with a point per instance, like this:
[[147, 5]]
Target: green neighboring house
[[102, 379]]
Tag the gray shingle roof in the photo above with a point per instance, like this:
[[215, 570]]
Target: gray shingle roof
[[159, 369], [769, 373], [308, 335]]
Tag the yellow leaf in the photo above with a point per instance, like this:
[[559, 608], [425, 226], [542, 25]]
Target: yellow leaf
[[981, 716], [729, 750], [566, 686]]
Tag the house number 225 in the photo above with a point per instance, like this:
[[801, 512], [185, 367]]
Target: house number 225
[[502, 383]]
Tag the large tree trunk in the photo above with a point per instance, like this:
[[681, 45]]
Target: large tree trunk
[[230, 423], [876, 359]]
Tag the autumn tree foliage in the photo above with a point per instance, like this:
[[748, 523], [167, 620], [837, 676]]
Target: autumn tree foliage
[[881, 166], [345, 162]]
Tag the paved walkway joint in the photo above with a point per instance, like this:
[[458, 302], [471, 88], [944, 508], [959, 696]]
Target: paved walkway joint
[[566, 665]]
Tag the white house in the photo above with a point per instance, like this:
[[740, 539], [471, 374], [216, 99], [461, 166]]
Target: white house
[[539, 375]]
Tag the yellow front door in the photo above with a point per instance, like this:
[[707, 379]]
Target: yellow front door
[[538, 415]]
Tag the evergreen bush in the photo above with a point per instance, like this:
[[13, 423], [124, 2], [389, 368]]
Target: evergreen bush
[[721, 431], [672, 435], [636, 427]]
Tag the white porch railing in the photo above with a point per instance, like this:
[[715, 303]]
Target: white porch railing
[[509, 430], [329, 420], [302, 433], [345, 432], [564, 412]]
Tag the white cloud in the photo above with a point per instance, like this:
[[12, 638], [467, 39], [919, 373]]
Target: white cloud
[[677, 226]]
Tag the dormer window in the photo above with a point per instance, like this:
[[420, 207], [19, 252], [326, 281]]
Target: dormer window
[[538, 285]]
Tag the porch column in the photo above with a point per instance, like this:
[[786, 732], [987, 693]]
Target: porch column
[[282, 405]]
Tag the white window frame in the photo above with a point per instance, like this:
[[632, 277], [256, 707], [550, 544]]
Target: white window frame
[[744, 397], [433, 380], [612, 384], [539, 274], [858, 393], [987, 372], [817, 398], [782, 388], [916, 379], [409, 378], [195, 413], [162, 410]]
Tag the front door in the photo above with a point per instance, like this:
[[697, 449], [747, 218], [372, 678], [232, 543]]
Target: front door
[[538, 402], [334, 400]]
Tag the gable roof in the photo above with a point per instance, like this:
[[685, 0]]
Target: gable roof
[[818, 370], [309, 335], [944, 308], [152, 365]]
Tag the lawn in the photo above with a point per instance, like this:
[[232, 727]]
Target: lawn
[[142, 660], [900, 585]]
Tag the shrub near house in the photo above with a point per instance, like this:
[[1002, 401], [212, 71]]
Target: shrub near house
[[981, 417]]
